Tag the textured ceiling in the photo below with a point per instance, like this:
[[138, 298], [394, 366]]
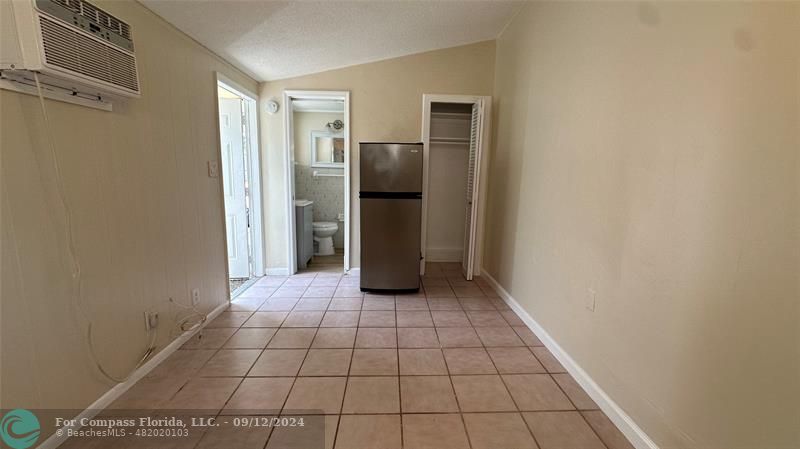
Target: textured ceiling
[[272, 40]]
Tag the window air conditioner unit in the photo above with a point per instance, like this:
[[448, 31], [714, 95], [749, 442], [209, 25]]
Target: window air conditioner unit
[[74, 46]]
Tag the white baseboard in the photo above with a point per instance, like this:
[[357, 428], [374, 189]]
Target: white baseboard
[[277, 272], [111, 395], [444, 254], [624, 423]]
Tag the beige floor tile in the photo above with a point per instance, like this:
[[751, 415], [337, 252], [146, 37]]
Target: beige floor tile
[[498, 336], [437, 291], [376, 337], [378, 303], [423, 394], [326, 362], [458, 337], [511, 318], [482, 394], [266, 319], [498, 430], [421, 362], [486, 318], [548, 360], [374, 362], [287, 291], [414, 318], [229, 435], [369, 432], [434, 431], [326, 281], [303, 318], [249, 304], [313, 304], [209, 338], [515, 361], [319, 291], [372, 395], [444, 304], [250, 338], [610, 435], [292, 338], [377, 318], [527, 336], [345, 304], [316, 432], [183, 363], [450, 318], [257, 291], [335, 338], [536, 392], [206, 394], [409, 303], [148, 393], [316, 395], [229, 319], [468, 361], [468, 291], [574, 391], [278, 362], [259, 396], [347, 291], [298, 281], [417, 337], [562, 430], [230, 363], [476, 304], [340, 319], [278, 305]]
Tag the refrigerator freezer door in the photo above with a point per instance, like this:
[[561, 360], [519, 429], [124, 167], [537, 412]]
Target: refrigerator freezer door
[[390, 243], [390, 167]]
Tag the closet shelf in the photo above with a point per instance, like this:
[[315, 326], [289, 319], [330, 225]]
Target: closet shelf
[[450, 140]]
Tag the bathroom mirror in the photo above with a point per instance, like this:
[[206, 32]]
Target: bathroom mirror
[[327, 149]]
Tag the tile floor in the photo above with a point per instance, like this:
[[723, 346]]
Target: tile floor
[[449, 367]]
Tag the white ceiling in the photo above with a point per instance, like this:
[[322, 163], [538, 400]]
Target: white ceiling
[[273, 40]]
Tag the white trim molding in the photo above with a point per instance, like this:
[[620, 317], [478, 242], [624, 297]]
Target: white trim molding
[[277, 272], [622, 420], [56, 439]]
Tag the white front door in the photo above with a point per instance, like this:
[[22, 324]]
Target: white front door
[[234, 166], [472, 190]]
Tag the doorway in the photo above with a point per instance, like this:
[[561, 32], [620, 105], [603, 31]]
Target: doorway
[[317, 145], [455, 134], [241, 184]]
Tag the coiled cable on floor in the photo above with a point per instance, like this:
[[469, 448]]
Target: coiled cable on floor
[[75, 268]]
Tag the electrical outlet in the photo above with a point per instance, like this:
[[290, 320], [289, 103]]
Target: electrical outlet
[[213, 169], [591, 299], [150, 320], [195, 296]]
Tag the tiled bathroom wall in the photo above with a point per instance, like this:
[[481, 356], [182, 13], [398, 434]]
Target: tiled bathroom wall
[[326, 192]]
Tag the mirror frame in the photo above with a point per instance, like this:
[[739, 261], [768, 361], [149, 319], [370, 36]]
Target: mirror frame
[[318, 164]]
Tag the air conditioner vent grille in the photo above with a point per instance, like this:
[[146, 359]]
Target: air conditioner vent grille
[[96, 15], [74, 51]]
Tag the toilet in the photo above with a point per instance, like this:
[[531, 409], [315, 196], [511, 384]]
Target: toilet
[[323, 237]]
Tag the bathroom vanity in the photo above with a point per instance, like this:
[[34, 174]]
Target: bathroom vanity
[[304, 218]]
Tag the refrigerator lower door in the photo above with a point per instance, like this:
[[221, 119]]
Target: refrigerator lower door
[[390, 243]]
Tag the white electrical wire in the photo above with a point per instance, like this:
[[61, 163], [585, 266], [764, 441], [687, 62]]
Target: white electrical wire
[[75, 261]]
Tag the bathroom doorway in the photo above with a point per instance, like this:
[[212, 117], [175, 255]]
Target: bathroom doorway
[[239, 170], [317, 132]]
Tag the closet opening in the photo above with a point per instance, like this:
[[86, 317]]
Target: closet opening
[[454, 133]]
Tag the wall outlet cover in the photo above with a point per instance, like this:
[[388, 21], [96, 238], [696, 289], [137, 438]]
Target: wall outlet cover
[[195, 296]]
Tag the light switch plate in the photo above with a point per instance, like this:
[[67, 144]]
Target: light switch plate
[[213, 169], [591, 300]]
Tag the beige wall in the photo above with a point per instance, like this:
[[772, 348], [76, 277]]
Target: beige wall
[[649, 151], [385, 105], [304, 123], [148, 221]]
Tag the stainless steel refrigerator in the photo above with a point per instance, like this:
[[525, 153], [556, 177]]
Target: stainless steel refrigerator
[[391, 215]]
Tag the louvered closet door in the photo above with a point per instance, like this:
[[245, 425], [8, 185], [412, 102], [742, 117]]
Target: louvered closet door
[[471, 197]]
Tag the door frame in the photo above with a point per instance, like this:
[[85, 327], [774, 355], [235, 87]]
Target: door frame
[[288, 164], [480, 168], [250, 99]]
